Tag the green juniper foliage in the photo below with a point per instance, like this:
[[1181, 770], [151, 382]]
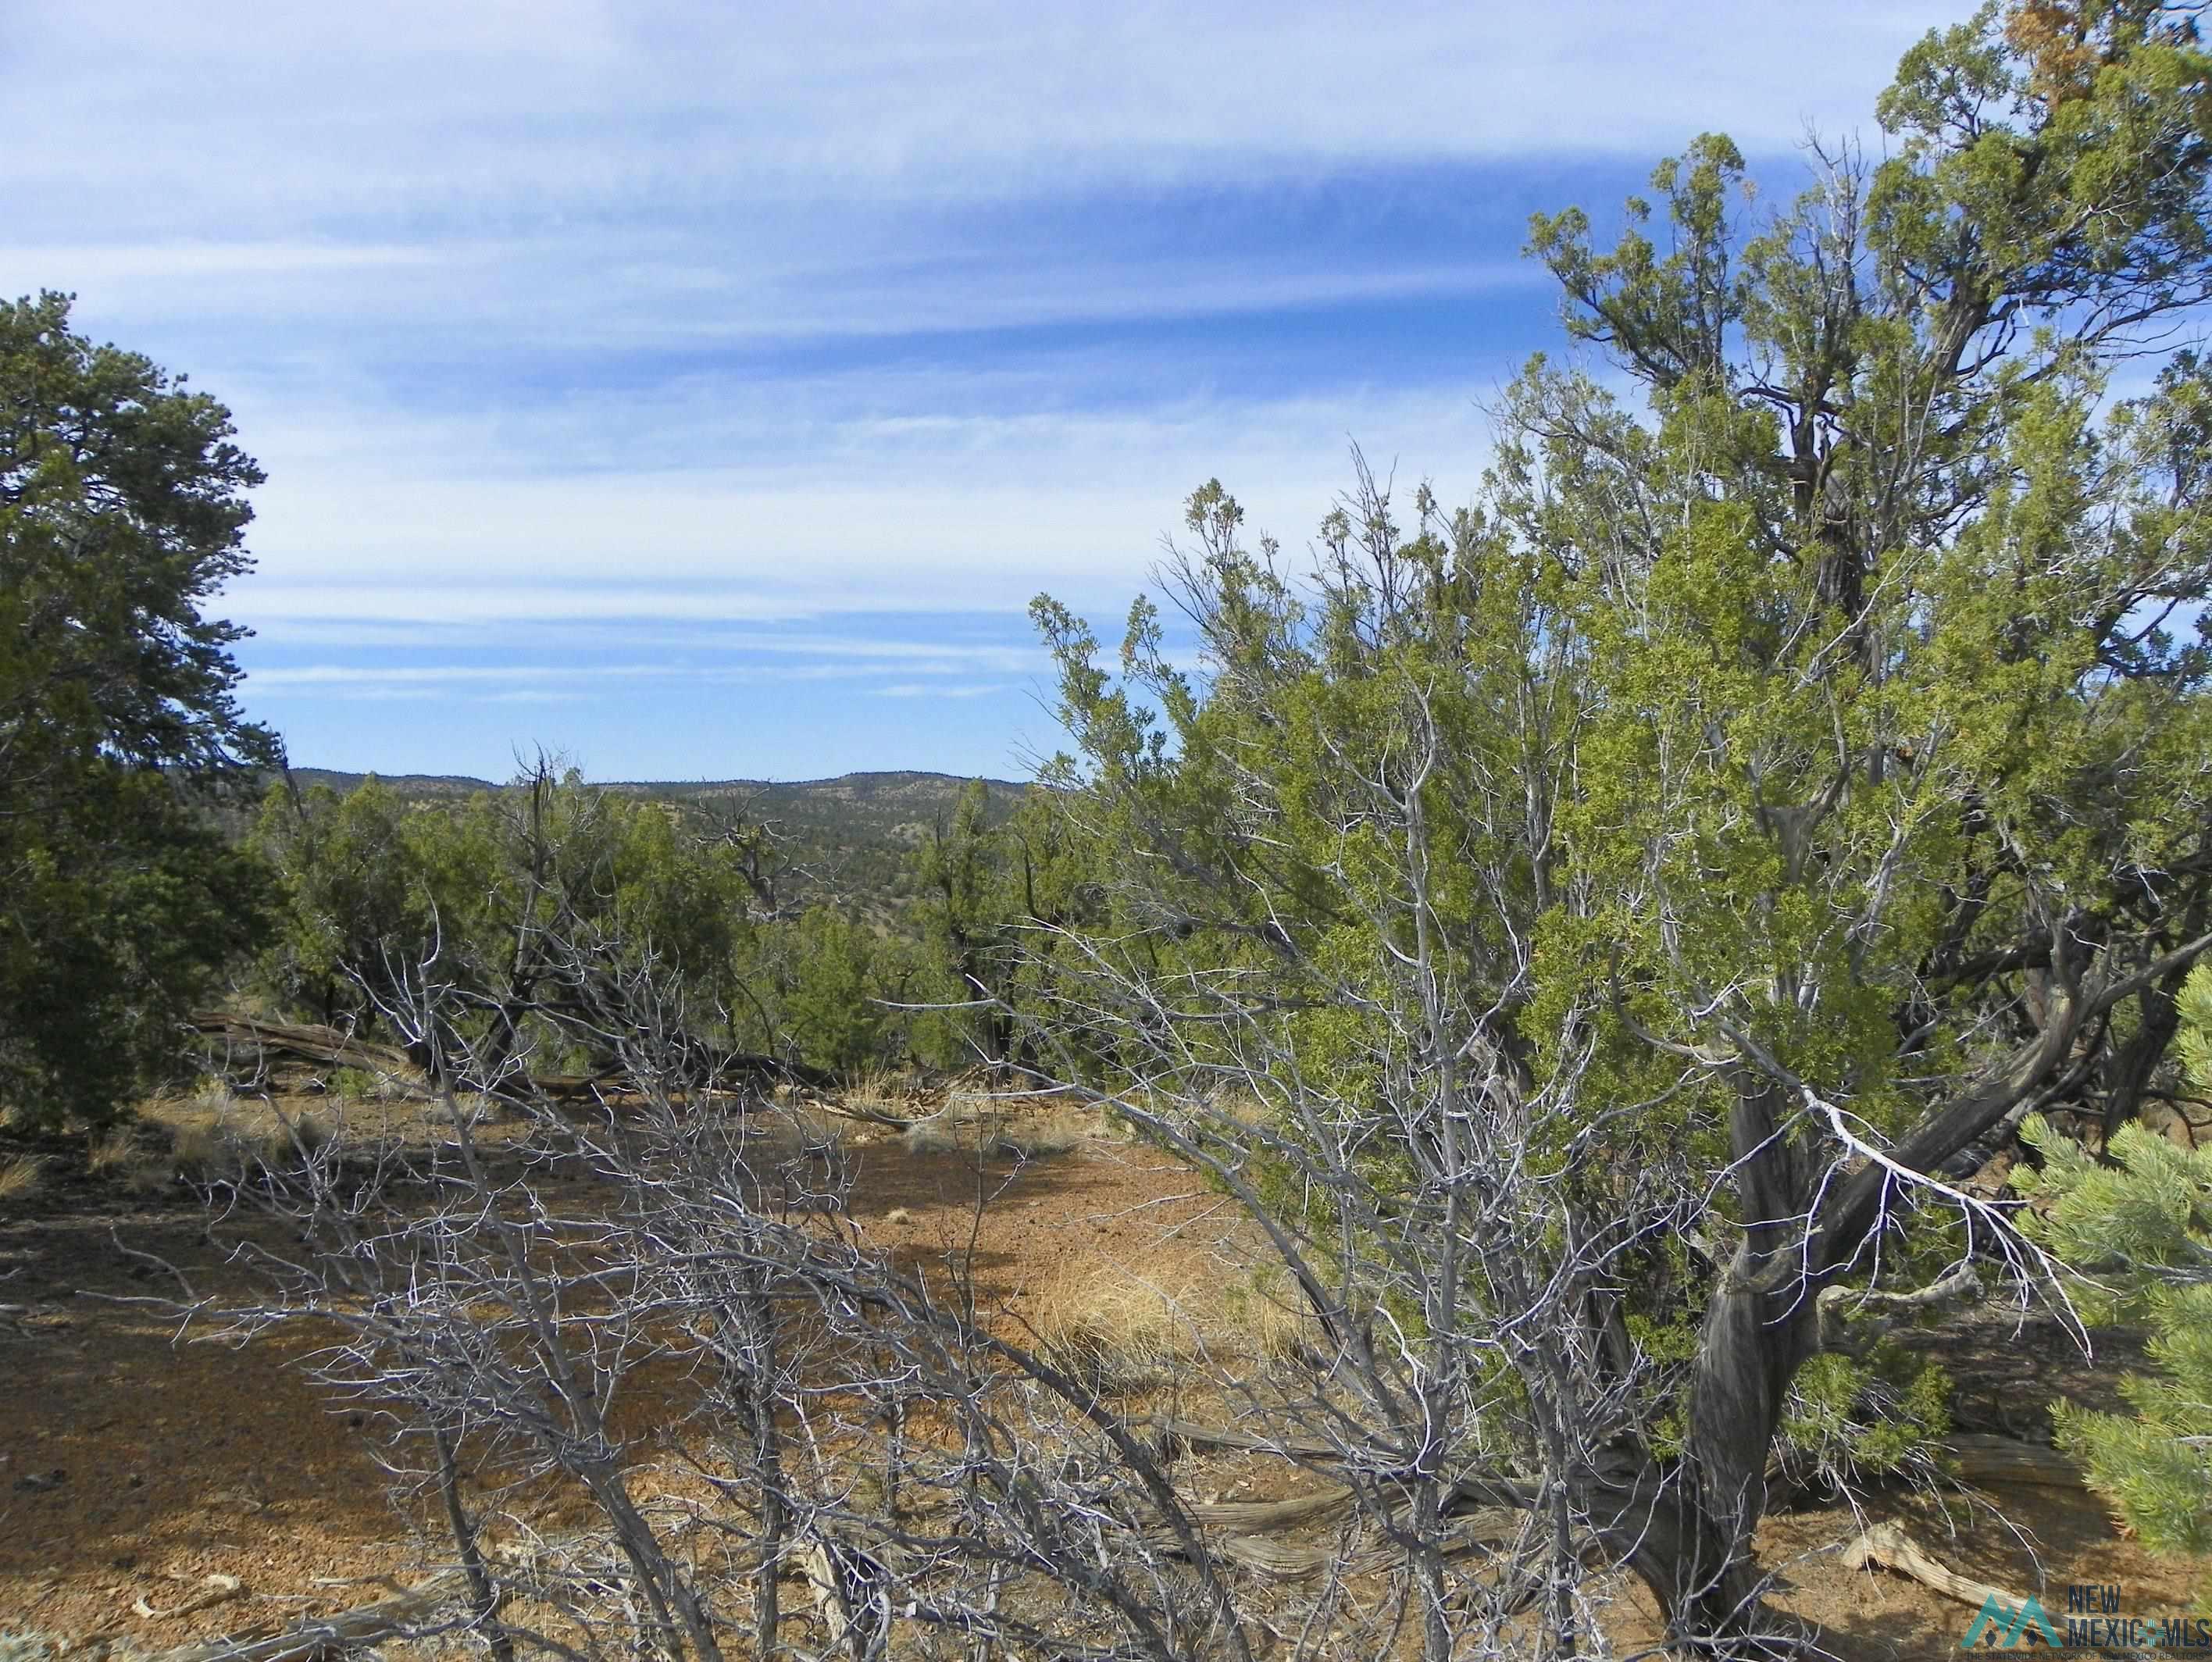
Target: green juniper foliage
[[123, 511], [377, 883], [1800, 750], [379, 891]]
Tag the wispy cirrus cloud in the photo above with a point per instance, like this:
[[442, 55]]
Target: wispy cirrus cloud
[[676, 383], [507, 112], [927, 689]]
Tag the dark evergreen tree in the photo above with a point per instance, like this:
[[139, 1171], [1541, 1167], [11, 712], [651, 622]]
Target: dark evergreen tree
[[123, 512]]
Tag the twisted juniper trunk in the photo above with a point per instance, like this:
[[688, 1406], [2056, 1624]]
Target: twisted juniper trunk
[[1760, 1326], [1756, 1337], [1684, 1526]]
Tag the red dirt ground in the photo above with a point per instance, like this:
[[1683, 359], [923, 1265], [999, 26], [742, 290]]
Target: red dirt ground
[[134, 1462]]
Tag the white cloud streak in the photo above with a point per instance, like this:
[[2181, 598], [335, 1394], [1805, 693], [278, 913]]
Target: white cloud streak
[[834, 659], [967, 515], [924, 689], [673, 338], [488, 114]]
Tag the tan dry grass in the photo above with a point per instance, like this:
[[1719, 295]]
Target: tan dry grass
[[1007, 1130], [197, 1147], [113, 1150], [1049, 1131], [211, 1129], [1264, 1309], [797, 1126], [891, 1093], [1116, 1328], [938, 1134], [214, 1095], [212, 1105], [289, 1143], [117, 1155], [20, 1178]]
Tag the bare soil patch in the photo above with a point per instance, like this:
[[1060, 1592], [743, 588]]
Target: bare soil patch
[[136, 1461]]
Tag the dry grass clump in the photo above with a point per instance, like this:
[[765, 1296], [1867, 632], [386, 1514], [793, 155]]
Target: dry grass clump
[[19, 1178], [196, 1146], [1052, 1131], [784, 1129], [214, 1096], [119, 1155], [113, 1150], [293, 1142], [1113, 1327], [938, 1134], [207, 1148], [1265, 1308], [203, 1124], [891, 1093], [980, 1125]]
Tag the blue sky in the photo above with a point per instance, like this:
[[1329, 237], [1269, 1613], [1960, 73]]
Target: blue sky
[[703, 390]]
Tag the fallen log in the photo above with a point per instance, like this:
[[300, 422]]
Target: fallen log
[[330, 1046], [1207, 1436], [334, 1047], [1985, 1460], [1250, 1520], [394, 1617], [1276, 1560], [1280, 1560], [1247, 1525], [1887, 1545], [1265, 1517]]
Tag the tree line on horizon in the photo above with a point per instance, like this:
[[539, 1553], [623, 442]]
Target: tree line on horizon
[[846, 958], [1593, 932]]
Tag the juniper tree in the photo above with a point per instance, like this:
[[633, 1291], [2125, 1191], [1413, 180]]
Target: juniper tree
[[1592, 932]]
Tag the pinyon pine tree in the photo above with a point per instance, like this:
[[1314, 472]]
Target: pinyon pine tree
[[123, 514], [2142, 1227]]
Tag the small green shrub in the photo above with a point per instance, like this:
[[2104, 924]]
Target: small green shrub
[[1848, 1419]]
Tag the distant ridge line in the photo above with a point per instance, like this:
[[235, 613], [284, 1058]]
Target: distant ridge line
[[851, 840], [859, 776]]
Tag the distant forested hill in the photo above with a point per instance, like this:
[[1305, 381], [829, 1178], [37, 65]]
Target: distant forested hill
[[851, 837]]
